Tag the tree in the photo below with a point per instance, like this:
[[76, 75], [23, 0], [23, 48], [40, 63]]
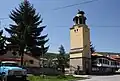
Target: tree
[[3, 48], [61, 59], [25, 34], [92, 49]]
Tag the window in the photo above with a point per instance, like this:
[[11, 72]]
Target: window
[[31, 61], [76, 30], [108, 62], [103, 61], [100, 60], [111, 63], [114, 63]]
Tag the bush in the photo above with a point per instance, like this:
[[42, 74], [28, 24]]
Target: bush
[[61, 76], [55, 78]]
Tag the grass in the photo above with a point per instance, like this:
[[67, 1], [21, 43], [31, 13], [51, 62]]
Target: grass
[[54, 78]]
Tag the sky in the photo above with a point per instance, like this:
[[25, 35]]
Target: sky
[[103, 19]]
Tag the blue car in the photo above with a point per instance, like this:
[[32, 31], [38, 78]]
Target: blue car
[[10, 70]]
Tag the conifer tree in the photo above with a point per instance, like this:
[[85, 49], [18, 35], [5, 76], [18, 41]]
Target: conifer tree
[[25, 34], [92, 49], [61, 59], [3, 49]]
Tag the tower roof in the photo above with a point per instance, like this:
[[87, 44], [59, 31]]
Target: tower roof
[[81, 12], [80, 18]]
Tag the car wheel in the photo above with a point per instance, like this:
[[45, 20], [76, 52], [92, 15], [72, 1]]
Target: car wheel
[[4, 78]]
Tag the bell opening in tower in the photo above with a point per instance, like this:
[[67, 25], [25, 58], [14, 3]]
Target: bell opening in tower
[[79, 18]]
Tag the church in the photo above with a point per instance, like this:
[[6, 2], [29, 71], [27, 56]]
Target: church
[[81, 59]]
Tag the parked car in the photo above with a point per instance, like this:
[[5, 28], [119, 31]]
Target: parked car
[[10, 70]]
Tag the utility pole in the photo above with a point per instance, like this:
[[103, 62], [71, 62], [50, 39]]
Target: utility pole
[[42, 47]]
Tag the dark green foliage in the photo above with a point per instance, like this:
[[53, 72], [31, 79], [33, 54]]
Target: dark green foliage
[[92, 49], [61, 76], [61, 59], [3, 49], [55, 78], [25, 34], [54, 55], [52, 61], [50, 55], [37, 51]]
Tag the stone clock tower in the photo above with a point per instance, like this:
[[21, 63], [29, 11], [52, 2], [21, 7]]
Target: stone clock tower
[[80, 56]]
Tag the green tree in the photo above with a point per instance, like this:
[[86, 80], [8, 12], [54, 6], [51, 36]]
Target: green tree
[[61, 59], [3, 49], [25, 34], [92, 48]]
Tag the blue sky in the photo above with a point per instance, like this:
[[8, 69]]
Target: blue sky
[[100, 14]]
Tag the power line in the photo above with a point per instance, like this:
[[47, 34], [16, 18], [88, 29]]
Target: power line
[[85, 2], [100, 26], [104, 25]]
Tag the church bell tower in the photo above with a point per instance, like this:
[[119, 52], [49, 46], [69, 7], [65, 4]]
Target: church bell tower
[[80, 56]]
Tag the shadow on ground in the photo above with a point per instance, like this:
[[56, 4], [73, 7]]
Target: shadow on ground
[[105, 74]]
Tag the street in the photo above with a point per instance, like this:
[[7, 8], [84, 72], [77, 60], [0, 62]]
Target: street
[[104, 78]]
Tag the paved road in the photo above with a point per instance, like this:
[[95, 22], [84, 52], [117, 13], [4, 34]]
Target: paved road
[[104, 78]]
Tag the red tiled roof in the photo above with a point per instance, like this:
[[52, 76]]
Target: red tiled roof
[[10, 59], [114, 56]]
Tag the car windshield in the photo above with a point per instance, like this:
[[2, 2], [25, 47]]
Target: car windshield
[[9, 64]]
